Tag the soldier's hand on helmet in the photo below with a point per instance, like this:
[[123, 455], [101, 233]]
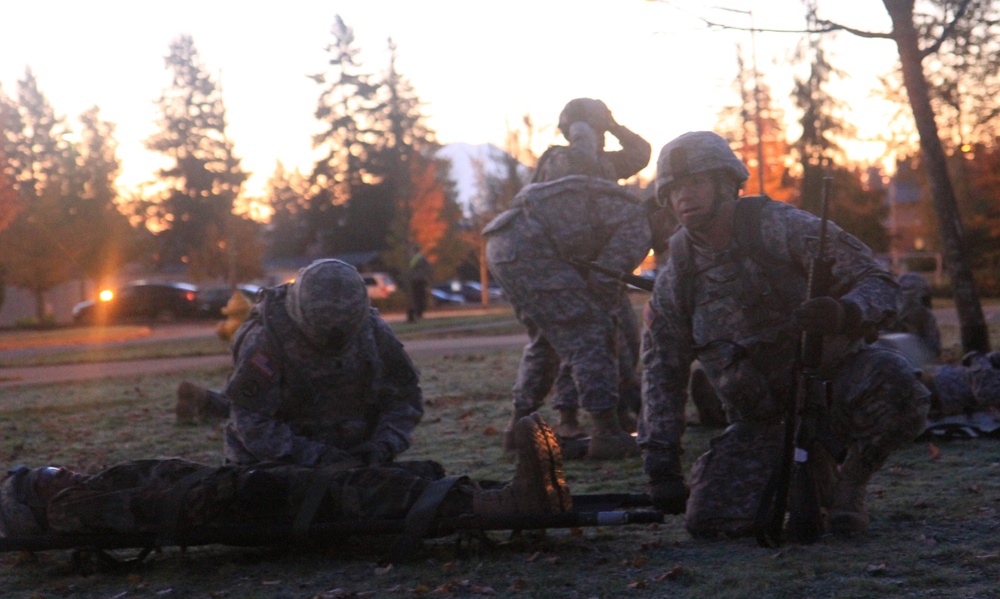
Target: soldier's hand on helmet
[[827, 316], [372, 453], [669, 495]]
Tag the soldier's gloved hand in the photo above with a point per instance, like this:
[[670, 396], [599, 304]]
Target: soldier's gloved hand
[[372, 453], [827, 316], [669, 495]]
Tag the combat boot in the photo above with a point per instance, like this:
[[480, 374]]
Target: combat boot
[[609, 441], [569, 424], [538, 486], [848, 515], [509, 442]]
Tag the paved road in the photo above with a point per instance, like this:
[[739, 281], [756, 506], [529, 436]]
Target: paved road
[[40, 375], [13, 377]]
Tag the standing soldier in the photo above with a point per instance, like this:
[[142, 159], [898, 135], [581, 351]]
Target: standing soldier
[[418, 275], [573, 211], [733, 296]]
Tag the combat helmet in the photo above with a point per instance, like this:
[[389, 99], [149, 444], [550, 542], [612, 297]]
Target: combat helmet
[[328, 302], [696, 152], [593, 112]]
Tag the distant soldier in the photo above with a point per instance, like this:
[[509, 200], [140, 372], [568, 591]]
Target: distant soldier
[[574, 211], [733, 296], [418, 276]]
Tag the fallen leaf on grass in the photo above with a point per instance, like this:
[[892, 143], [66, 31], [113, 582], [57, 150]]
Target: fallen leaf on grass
[[876, 569], [638, 584], [670, 574], [491, 431], [934, 450], [534, 556], [383, 570]]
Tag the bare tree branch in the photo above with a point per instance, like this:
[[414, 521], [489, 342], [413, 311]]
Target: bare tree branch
[[832, 26], [947, 31]]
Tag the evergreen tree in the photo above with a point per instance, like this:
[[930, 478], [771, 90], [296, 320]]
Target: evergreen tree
[[817, 149], [377, 172], [193, 213], [289, 232]]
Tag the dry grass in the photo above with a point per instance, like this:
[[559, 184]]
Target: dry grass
[[935, 514]]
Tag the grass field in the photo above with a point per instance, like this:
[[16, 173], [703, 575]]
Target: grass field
[[935, 509]]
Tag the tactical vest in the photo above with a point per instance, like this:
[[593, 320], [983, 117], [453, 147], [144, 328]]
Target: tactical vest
[[762, 286], [342, 397]]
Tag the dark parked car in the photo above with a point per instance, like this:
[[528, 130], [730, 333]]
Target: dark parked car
[[140, 300], [212, 300], [463, 292]]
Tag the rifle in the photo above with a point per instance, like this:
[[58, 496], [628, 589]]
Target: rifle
[[793, 481], [643, 283]]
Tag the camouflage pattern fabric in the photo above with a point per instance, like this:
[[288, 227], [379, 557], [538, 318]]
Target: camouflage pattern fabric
[[579, 157], [914, 314], [141, 495], [730, 311], [629, 341], [972, 386], [570, 313], [294, 402]]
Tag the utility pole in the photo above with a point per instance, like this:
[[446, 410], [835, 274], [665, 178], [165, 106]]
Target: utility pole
[[758, 120]]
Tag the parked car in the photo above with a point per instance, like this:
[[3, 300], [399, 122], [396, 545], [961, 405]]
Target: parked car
[[212, 300], [139, 300], [464, 292], [380, 285]]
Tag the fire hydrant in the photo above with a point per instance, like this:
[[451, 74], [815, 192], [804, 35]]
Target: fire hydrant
[[236, 311]]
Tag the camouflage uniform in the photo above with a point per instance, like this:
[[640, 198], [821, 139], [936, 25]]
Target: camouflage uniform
[[629, 383], [569, 312], [731, 310], [296, 400], [972, 386], [169, 496], [553, 230], [914, 314]]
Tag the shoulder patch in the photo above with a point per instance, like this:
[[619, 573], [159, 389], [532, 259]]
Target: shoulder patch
[[264, 364]]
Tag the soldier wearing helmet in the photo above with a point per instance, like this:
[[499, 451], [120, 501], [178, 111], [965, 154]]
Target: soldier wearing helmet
[[583, 122], [574, 210], [733, 296], [319, 377]]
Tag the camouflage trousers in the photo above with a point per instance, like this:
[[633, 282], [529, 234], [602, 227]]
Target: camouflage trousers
[[877, 404], [629, 384], [174, 494]]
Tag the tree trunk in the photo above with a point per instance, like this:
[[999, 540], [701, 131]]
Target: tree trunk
[[974, 332]]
